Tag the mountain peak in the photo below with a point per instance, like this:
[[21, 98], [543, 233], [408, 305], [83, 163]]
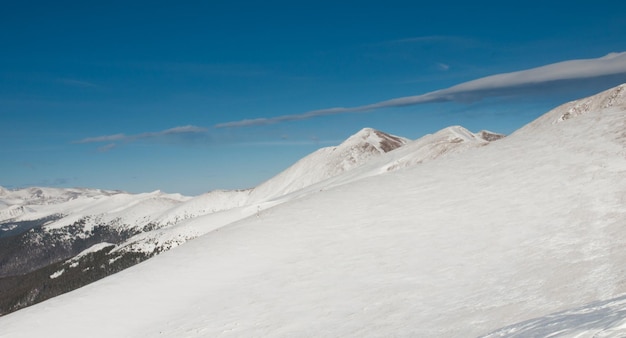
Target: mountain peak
[[365, 131], [381, 141], [461, 134]]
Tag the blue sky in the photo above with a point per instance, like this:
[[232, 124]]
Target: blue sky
[[193, 96]]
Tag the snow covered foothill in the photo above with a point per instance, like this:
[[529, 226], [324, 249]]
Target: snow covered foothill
[[47, 195], [93, 206], [458, 247], [39, 202], [125, 210], [171, 236], [208, 203]]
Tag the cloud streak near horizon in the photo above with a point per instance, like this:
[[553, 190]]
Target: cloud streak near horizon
[[491, 86], [182, 130]]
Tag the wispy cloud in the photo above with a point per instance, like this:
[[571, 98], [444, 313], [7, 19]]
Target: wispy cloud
[[105, 138], [613, 64], [312, 141], [182, 130], [107, 147], [285, 118], [443, 66]]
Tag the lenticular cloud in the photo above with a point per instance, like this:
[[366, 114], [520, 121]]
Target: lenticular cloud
[[613, 64]]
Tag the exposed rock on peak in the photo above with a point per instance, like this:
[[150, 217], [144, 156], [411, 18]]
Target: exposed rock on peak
[[490, 136], [597, 104], [606, 99], [381, 141]]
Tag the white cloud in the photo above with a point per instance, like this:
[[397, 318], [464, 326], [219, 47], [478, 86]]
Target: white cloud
[[149, 135], [490, 86], [107, 147], [171, 131], [106, 138]]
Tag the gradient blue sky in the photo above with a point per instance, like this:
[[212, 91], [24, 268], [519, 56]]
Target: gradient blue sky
[[183, 96]]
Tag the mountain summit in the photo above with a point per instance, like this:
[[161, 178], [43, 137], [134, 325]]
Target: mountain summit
[[371, 140], [328, 162]]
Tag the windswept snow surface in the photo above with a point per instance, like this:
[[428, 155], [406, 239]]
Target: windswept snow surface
[[461, 246], [602, 319]]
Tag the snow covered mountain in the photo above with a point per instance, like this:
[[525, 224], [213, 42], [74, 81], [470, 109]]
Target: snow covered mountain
[[16, 203], [39, 218], [41, 228], [446, 236]]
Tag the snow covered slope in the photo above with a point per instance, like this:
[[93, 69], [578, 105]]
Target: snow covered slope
[[475, 241], [214, 201]]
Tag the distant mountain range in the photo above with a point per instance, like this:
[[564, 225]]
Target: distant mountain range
[[454, 234]]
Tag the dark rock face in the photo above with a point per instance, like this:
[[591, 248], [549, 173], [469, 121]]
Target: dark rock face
[[9, 228], [489, 136], [389, 142], [20, 291]]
